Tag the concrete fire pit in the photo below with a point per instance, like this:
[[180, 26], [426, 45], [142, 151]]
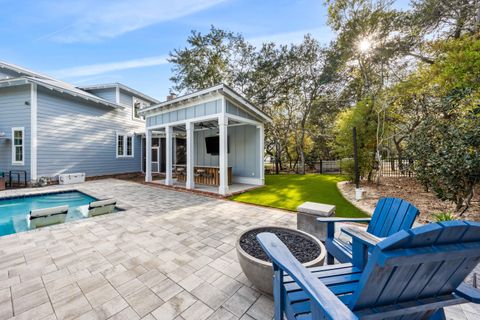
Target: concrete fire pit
[[256, 265]]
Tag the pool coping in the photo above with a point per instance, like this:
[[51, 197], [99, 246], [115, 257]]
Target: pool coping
[[39, 194]]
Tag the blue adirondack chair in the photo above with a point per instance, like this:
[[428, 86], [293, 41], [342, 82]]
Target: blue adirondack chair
[[410, 275], [390, 216]]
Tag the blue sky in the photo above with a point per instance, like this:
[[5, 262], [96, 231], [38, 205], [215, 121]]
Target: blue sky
[[103, 41]]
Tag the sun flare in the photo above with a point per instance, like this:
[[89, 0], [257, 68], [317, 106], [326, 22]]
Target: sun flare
[[365, 45]]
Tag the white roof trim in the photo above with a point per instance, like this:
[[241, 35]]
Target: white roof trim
[[21, 70], [221, 88], [42, 83], [119, 86]]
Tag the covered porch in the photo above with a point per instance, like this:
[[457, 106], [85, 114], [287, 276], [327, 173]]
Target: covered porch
[[211, 141]]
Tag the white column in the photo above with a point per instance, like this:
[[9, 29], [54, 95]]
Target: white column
[[33, 132], [174, 151], [190, 155], [168, 156], [223, 131], [261, 151], [148, 156]]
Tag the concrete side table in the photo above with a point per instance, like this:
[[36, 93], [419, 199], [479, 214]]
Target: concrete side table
[[307, 215]]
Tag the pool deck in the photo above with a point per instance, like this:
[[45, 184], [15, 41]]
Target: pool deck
[[169, 255]]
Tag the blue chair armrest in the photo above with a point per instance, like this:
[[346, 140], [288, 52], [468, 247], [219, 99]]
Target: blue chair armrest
[[323, 300], [362, 242], [335, 219], [362, 236], [330, 221], [468, 292]]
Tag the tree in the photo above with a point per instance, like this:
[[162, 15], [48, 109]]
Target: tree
[[446, 18], [216, 57], [373, 47], [306, 81], [446, 145], [286, 82]]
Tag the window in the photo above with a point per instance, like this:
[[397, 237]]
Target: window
[[129, 146], [120, 149], [18, 150], [137, 105], [125, 146]]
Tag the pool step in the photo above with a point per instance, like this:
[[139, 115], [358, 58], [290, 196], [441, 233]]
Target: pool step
[[100, 207], [46, 217]]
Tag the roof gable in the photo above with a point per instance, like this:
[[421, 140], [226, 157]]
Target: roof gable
[[221, 90], [120, 86], [21, 71], [18, 75]]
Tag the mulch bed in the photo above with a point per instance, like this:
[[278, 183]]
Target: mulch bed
[[410, 190], [302, 248]]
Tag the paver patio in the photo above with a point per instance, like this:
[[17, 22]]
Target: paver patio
[[170, 255]]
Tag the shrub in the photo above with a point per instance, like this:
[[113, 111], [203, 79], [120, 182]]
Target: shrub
[[347, 167], [443, 216]]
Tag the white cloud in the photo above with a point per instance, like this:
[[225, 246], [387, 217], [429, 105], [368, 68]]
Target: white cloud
[[98, 20], [322, 34], [101, 68]]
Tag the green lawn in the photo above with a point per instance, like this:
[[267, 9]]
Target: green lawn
[[290, 190]]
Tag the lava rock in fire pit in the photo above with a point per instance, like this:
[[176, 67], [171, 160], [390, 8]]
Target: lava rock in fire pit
[[302, 248]]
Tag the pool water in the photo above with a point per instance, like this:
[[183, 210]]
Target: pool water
[[14, 212]]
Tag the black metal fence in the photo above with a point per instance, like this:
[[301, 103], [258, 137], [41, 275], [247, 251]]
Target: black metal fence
[[389, 167], [327, 166], [394, 167]]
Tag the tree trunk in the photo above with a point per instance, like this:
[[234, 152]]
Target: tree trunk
[[289, 157], [478, 17], [468, 201], [295, 165], [459, 204], [277, 153], [302, 160]]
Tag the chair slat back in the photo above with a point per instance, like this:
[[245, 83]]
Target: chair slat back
[[424, 262], [392, 215]]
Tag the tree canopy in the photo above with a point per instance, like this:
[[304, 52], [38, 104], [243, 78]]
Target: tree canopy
[[408, 80]]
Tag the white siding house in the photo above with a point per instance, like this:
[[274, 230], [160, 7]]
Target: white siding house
[[68, 129]]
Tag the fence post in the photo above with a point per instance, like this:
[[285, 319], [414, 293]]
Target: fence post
[[321, 166]]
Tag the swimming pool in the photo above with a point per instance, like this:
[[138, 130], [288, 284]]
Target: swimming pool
[[14, 212]]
